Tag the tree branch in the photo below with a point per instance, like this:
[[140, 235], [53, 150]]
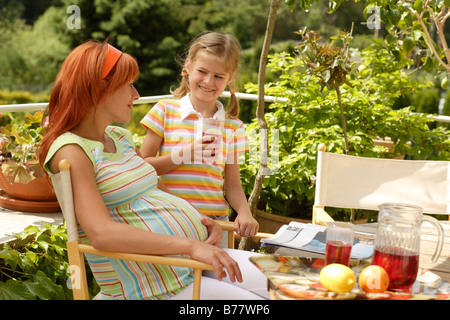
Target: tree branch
[[428, 38]]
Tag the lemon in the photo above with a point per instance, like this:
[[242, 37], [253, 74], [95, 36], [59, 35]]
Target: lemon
[[337, 278]]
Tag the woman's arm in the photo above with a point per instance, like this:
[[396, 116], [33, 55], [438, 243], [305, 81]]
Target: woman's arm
[[150, 147]]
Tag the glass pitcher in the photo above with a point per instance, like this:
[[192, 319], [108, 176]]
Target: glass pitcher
[[397, 242]]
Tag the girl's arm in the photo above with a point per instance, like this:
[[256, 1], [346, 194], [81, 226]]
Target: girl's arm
[[164, 164], [106, 234], [150, 147], [245, 224]]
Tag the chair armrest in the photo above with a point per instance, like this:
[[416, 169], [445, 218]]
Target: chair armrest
[[229, 226], [156, 259], [226, 225]]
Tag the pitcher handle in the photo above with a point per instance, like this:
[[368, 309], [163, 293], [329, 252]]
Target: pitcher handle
[[440, 241]]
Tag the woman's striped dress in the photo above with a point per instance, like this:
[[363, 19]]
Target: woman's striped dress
[[128, 186]]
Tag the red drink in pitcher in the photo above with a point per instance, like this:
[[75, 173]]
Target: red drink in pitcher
[[401, 268], [338, 252]]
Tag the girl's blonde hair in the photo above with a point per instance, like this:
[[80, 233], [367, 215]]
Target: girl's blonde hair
[[227, 49]]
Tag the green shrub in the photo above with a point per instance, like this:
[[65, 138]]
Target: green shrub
[[446, 109], [36, 267], [19, 97], [427, 101], [310, 116]]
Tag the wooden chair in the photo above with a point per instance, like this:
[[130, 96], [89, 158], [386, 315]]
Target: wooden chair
[[344, 181], [76, 250]]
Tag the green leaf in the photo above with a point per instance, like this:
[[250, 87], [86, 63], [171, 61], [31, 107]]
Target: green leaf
[[14, 290], [333, 5], [43, 288], [291, 4], [418, 6], [43, 245], [54, 291], [394, 16], [10, 257], [428, 65], [37, 289], [35, 118], [408, 45]]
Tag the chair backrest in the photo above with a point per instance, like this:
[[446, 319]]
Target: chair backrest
[[62, 184], [344, 181]]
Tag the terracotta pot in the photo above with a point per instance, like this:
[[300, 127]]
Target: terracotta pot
[[271, 223], [387, 142], [38, 189]]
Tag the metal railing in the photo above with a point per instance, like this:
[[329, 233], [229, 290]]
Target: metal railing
[[31, 107]]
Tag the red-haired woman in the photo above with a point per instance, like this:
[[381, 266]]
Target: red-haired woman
[[119, 203]]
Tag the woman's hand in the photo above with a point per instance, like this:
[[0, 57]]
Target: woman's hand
[[222, 262], [214, 231]]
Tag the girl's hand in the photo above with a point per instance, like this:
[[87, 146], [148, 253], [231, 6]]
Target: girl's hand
[[217, 257], [214, 231], [201, 150], [246, 226]]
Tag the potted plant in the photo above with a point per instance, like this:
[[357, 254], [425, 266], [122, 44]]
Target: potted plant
[[21, 176]]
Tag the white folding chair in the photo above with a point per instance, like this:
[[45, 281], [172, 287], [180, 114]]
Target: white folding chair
[[344, 181], [75, 250]]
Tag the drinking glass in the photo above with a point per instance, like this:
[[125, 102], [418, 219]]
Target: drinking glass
[[340, 237], [213, 129]]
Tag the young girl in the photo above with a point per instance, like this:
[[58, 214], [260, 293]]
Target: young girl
[[188, 163]]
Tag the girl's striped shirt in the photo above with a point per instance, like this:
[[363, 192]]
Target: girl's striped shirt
[[201, 181]]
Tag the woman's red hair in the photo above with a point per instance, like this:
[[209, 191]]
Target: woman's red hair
[[79, 87]]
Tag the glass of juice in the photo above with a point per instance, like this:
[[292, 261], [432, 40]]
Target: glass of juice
[[212, 127], [340, 236], [213, 130]]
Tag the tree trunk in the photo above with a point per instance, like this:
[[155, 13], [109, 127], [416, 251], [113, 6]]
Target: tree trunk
[[344, 121], [259, 179], [344, 129]]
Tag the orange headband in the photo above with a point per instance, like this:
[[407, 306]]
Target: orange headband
[[111, 59]]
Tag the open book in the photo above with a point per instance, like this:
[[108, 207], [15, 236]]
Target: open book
[[312, 238]]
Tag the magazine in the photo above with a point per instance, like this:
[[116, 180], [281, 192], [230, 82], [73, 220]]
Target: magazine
[[312, 238]]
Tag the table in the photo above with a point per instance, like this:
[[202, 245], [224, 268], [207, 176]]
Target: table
[[287, 275]]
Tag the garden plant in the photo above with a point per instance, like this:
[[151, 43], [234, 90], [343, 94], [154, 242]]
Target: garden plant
[[35, 266], [310, 115]]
